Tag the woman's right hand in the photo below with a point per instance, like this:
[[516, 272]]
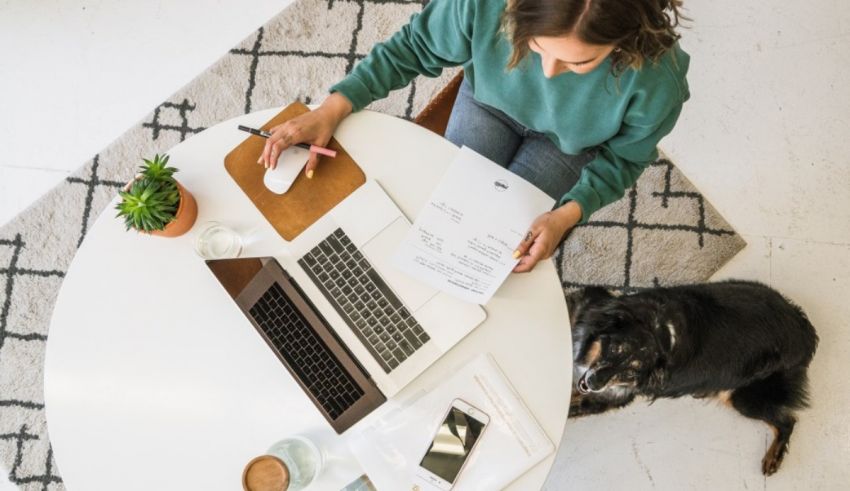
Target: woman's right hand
[[315, 127]]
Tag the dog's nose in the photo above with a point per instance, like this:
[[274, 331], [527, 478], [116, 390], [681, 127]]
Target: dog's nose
[[582, 385]]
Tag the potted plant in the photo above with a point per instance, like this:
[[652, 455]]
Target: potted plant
[[155, 203]]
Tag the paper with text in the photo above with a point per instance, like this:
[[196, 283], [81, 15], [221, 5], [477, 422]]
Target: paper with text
[[463, 239]]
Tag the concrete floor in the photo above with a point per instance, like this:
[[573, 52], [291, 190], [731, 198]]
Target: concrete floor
[[763, 137]]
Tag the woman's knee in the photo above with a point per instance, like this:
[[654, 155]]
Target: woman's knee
[[547, 167]]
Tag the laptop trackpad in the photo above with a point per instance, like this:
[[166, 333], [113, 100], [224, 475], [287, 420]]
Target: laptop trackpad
[[380, 249]]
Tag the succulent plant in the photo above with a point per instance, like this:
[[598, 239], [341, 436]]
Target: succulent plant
[[158, 169], [152, 199]]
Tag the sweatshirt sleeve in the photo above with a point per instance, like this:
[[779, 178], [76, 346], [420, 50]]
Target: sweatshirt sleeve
[[650, 115], [438, 37]]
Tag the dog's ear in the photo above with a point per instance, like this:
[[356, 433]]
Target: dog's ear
[[582, 298]]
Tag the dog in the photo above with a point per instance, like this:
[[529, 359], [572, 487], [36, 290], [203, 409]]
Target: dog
[[739, 341]]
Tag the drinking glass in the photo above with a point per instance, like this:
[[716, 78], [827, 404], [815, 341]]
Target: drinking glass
[[302, 457], [216, 241]]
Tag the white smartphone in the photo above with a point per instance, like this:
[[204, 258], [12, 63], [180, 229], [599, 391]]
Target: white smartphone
[[449, 451]]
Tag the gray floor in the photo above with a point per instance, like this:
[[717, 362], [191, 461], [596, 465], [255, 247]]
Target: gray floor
[[763, 137]]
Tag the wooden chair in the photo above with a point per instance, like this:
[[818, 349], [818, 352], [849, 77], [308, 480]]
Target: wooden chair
[[435, 116]]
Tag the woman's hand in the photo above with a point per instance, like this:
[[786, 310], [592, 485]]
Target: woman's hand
[[545, 234], [315, 127]]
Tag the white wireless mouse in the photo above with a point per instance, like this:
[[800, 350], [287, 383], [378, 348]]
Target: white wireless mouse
[[289, 165]]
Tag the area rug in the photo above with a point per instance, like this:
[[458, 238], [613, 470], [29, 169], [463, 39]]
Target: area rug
[[662, 232]]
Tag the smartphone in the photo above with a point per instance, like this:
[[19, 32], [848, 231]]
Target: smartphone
[[449, 451]]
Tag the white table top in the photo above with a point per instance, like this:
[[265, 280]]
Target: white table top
[[154, 379]]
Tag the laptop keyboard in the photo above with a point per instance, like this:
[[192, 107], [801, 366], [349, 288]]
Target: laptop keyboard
[[364, 300], [305, 352]]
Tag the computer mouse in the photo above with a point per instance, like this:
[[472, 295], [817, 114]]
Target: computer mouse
[[289, 165]]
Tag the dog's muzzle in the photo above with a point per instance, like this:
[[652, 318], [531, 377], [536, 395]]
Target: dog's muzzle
[[584, 385]]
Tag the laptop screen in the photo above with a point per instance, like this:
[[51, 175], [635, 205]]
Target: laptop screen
[[235, 274]]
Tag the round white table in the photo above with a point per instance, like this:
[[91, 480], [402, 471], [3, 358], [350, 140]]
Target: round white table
[[154, 379]]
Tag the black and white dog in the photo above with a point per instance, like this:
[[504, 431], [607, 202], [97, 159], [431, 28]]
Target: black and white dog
[[739, 341]]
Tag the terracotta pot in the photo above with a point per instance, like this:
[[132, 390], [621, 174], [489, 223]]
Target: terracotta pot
[[187, 213]]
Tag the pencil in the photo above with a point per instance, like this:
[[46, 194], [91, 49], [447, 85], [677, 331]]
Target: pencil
[[313, 148]]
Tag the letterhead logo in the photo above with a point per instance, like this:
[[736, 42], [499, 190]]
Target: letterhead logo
[[500, 185]]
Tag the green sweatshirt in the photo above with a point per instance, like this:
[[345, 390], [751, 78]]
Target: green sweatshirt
[[622, 117]]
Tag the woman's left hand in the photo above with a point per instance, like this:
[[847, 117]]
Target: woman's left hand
[[545, 234]]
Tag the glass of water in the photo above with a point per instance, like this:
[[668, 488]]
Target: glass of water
[[302, 457], [215, 241], [290, 464]]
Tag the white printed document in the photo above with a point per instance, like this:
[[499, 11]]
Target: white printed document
[[463, 240]]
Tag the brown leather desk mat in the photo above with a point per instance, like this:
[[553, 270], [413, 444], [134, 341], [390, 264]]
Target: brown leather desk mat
[[308, 199]]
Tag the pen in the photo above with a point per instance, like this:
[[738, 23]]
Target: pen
[[313, 148]]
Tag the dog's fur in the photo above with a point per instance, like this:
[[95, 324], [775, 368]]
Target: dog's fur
[[739, 341]]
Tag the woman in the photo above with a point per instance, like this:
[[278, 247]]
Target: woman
[[572, 95]]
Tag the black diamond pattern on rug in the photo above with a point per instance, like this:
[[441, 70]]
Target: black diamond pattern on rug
[[182, 109], [631, 224], [91, 184], [20, 441]]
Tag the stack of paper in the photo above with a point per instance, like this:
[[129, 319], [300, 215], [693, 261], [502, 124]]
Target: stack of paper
[[390, 449]]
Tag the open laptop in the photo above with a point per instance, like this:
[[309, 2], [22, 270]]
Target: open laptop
[[350, 327]]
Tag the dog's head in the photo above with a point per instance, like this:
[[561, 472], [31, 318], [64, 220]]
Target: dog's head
[[614, 345]]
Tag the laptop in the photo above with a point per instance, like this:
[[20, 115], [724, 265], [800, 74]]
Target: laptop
[[350, 328]]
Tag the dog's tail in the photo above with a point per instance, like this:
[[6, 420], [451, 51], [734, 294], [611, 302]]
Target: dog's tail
[[791, 386], [808, 341], [811, 335], [787, 388]]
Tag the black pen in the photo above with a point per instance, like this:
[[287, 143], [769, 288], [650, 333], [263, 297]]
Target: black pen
[[313, 148]]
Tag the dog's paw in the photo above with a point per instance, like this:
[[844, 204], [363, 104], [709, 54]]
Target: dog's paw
[[769, 465], [576, 406], [773, 459], [585, 405]]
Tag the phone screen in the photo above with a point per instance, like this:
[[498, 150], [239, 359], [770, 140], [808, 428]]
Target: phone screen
[[451, 446]]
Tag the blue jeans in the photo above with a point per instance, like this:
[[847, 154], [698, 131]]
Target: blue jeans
[[529, 154]]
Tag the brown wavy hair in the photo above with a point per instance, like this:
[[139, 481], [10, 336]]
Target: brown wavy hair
[[640, 30]]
